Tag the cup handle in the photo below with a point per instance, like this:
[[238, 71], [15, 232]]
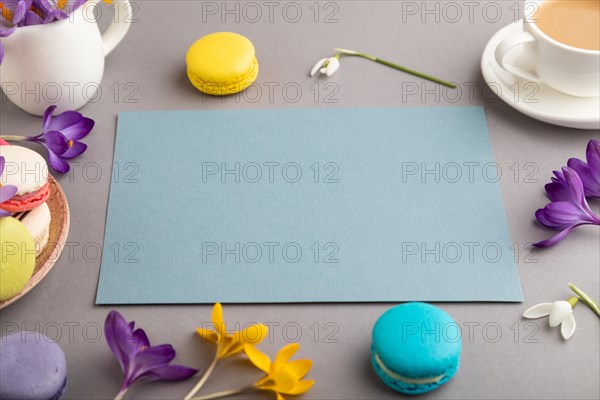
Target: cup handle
[[508, 44], [119, 26]]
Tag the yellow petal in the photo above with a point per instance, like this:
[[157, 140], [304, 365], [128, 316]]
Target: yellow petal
[[231, 348], [279, 381], [108, 1], [284, 355], [208, 335], [299, 367], [300, 387], [225, 344], [252, 334], [222, 351], [279, 396], [258, 358], [217, 319]]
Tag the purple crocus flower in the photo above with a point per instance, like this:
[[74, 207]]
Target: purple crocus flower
[[589, 172], [137, 358], [7, 192], [568, 208], [16, 13], [46, 10], [61, 137], [68, 7], [12, 13]]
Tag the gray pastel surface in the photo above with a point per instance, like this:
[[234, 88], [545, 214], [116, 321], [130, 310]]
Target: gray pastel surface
[[504, 356]]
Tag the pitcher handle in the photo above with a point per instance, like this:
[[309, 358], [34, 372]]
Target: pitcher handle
[[123, 16]]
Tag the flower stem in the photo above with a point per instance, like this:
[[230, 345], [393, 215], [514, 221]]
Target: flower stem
[[204, 378], [121, 394], [396, 66], [585, 298], [13, 138], [225, 393]]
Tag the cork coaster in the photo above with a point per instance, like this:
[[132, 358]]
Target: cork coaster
[[59, 229]]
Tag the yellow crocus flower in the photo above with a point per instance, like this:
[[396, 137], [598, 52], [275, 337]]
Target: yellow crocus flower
[[227, 344], [230, 344], [282, 375]]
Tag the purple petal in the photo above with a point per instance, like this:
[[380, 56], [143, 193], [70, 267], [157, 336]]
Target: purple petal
[[591, 182], [79, 130], [562, 189], [64, 120], [574, 181], [155, 356], [2, 162], [562, 214], [47, 9], [55, 141], [76, 149], [540, 215], [4, 213], [116, 330], [576, 186], [6, 30], [567, 186], [590, 172], [7, 192], [170, 373], [147, 360], [1, 53], [57, 162], [592, 155], [31, 18], [19, 12], [48, 117], [558, 190], [132, 342], [555, 239], [139, 336]]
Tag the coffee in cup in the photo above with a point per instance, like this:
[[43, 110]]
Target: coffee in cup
[[575, 23], [561, 41]]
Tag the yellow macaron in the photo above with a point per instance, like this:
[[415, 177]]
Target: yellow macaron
[[222, 63]]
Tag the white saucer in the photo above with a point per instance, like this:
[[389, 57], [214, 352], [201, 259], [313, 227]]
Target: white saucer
[[535, 100]]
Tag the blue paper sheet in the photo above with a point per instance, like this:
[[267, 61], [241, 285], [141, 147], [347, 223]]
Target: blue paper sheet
[[306, 205]]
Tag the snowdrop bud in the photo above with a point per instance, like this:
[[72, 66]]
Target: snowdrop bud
[[317, 66], [333, 64]]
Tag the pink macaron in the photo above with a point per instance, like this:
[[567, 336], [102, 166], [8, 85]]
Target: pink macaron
[[28, 171]]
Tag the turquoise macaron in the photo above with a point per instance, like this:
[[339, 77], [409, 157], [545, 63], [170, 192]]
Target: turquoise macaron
[[416, 348]]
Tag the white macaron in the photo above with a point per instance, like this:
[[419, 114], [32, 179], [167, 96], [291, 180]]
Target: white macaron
[[37, 221]]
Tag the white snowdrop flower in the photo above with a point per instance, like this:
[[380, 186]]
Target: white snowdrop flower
[[559, 313], [327, 66]]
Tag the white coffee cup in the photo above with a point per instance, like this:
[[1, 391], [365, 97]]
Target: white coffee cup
[[60, 63], [568, 69]]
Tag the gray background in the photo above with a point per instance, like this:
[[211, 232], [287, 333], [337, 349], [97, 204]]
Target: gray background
[[503, 358]]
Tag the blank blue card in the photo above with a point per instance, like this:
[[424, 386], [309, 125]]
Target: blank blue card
[[306, 205]]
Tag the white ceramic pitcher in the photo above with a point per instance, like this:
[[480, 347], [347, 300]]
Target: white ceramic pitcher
[[60, 63]]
